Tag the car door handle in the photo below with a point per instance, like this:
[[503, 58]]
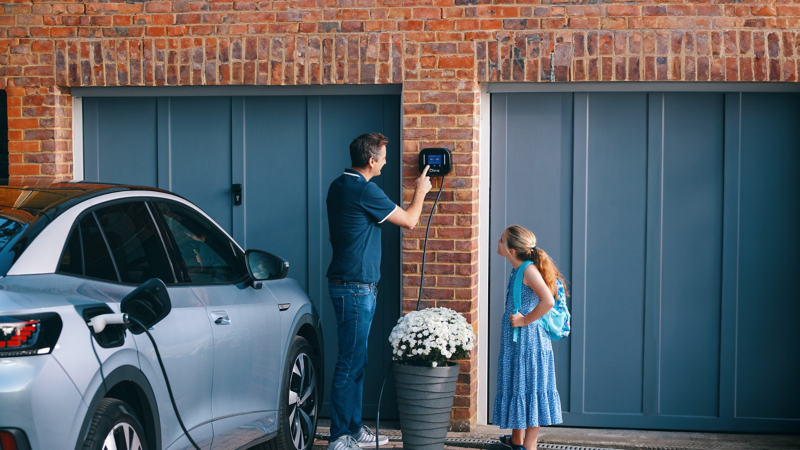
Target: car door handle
[[221, 318], [224, 320]]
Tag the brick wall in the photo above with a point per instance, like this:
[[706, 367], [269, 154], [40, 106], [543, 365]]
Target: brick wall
[[440, 50]]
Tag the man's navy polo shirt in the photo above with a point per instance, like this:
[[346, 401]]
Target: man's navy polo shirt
[[356, 210]]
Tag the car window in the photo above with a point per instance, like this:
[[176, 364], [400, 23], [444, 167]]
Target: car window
[[72, 259], [97, 260], [208, 254], [9, 229], [135, 243]]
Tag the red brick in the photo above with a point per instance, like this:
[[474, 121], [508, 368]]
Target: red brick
[[456, 62], [24, 169], [763, 10], [623, 10]]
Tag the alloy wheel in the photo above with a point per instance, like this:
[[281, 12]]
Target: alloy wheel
[[122, 437], [302, 401]]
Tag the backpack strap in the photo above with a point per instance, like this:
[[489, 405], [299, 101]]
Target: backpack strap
[[517, 291]]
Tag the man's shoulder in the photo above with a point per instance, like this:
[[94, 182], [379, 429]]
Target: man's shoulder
[[372, 189], [346, 190]]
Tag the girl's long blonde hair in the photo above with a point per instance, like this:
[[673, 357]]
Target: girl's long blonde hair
[[523, 242]]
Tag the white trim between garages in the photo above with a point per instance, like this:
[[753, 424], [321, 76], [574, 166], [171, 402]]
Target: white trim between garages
[[485, 250], [77, 138]]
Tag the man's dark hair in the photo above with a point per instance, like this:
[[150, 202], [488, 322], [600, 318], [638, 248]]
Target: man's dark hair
[[365, 147]]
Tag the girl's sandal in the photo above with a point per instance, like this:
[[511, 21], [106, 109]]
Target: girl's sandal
[[506, 440]]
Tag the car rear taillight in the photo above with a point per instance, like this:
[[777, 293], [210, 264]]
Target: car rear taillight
[[27, 335], [7, 441], [13, 439]]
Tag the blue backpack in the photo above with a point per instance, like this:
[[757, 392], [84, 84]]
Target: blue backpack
[[555, 321]]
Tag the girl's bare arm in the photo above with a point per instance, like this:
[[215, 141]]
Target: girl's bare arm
[[533, 279]]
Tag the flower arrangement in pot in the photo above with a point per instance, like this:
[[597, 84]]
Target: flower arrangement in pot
[[424, 345]]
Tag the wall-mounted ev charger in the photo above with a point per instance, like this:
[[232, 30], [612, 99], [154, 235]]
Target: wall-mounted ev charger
[[438, 159]]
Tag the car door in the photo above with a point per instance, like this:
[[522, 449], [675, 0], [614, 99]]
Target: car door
[[245, 325], [128, 232]]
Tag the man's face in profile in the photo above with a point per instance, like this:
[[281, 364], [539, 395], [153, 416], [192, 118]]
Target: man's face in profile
[[376, 169]]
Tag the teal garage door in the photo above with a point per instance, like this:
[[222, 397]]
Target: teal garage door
[[675, 218], [285, 151]]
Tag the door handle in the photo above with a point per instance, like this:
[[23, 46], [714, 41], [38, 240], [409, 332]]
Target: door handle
[[221, 318], [224, 320], [238, 193]]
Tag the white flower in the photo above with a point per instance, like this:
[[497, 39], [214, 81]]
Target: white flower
[[431, 334], [434, 364]]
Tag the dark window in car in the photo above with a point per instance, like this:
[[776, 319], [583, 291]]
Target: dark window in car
[[97, 260], [209, 255], [135, 243], [72, 259], [9, 229]]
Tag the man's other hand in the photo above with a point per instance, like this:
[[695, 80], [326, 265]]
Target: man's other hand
[[423, 184]]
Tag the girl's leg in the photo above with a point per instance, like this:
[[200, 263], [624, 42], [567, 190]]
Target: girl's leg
[[517, 437], [531, 438]]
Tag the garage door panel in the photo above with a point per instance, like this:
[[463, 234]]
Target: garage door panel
[[200, 154], [126, 130], [684, 252], [537, 161], [286, 150], [615, 251], [344, 118], [276, 173], [767, 346], [691, 247]]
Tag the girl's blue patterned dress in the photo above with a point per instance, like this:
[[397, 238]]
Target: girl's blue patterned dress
[[526, 376]]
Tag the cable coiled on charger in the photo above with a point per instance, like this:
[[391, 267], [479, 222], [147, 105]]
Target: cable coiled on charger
[[419, 300]]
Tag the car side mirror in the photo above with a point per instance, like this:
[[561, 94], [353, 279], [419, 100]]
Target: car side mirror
[[148, 303], [265, 266]]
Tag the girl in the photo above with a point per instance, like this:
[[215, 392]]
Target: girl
[[526, 378]]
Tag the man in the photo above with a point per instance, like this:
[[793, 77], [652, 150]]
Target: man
[[356, 210]]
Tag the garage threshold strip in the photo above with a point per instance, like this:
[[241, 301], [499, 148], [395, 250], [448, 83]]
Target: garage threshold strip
[[495, 444]]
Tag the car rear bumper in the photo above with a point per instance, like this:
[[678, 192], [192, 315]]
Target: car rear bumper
[[40, 400]]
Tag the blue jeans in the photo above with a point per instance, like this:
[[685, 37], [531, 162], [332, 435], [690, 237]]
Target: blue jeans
[[354, 305]]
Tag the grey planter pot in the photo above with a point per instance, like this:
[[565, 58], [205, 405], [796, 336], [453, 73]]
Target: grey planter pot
[[424, 400]]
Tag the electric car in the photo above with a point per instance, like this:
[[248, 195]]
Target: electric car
[[241, 344]]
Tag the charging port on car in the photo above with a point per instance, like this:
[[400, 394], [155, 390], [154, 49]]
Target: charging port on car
[[113, 335]]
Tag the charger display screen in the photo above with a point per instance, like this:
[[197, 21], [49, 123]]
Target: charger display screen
[[434, 159]]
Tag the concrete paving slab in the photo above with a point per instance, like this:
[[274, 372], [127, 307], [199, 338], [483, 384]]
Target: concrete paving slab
[[568, 438]]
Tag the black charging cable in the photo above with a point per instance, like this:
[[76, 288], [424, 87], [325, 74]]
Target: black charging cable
[[419, 299], [166, 379], [425, 247]]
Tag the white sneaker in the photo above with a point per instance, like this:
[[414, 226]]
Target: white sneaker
[[345, 442], [366, 438]]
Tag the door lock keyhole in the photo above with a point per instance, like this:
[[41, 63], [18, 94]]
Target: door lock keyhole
[[238, 193]]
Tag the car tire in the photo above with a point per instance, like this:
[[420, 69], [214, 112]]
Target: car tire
[[114, 420], [299, 408]]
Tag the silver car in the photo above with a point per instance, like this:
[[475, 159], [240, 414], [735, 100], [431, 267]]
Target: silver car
[[241, 344]]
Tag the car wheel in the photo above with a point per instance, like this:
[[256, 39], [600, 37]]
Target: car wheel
[[115, 427], [300, 399]]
